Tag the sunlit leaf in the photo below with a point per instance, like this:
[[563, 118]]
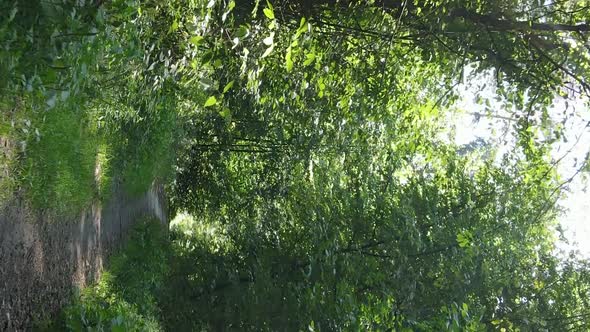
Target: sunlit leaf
[[288, 60], [228, 86], [309, 59], [210, 101], [197, 40], [269, 13]]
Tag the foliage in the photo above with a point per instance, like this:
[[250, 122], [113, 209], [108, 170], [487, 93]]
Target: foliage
[[308, 141], [342, 253], [316, 155]]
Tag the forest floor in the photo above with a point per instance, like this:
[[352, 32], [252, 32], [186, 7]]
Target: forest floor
[[45, 258]]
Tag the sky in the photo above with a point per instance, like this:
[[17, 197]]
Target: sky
[[575, 220]]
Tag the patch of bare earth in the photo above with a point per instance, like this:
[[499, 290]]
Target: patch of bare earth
[[43, 257]]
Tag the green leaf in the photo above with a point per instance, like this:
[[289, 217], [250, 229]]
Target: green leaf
[[464, 239], [12, 14], [174, 26], [302, 23], [269, 13], [211, 101], [289, 60], [206, 58], [226, 114], [228, 86], [197, 40], [310, 58]]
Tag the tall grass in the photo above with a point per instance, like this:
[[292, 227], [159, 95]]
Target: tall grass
[[59, 168], [68, 156], [7, 155]]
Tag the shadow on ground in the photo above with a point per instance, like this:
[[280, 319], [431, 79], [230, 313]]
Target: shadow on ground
[[43, 258]]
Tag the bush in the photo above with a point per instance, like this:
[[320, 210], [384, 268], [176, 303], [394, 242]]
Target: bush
[[100, 308], [145, 150]]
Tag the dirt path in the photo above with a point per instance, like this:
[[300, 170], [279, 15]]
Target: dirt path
[[43, 259]]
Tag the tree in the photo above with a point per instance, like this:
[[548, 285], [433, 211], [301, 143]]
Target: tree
[[319, 163]]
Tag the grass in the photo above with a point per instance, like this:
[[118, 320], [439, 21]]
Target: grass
[[7, 160], [64, 158], [103, 170], [125, 298], [11, 123], [60, 161]]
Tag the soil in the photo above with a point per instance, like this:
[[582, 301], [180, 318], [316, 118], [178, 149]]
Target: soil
[[44, 258]]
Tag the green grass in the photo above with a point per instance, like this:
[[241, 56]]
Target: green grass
[[7, 149], [7, 180], [103, 170], [125, 298], [59, 166], [6, 155], [14, 128], [67, 158]]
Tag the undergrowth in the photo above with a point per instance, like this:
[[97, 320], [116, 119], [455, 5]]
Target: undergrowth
[[60, 159], [7, 155], [144, 149], [64, 158]]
